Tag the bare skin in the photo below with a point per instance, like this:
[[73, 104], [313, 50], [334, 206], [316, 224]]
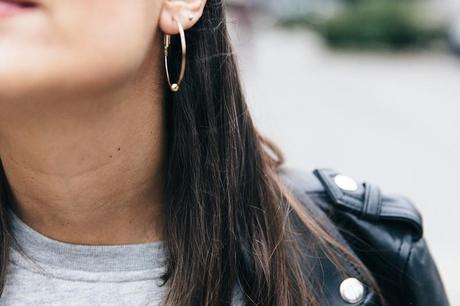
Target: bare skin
[[91, 174], [82, 135]]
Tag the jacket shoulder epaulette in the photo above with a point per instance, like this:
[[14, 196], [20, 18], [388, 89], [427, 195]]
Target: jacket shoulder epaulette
[[363, 199]]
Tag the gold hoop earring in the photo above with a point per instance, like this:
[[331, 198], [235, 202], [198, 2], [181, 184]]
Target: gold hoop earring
[[167, 42]]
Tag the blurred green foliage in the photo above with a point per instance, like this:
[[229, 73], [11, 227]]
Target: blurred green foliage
[[375, 24]]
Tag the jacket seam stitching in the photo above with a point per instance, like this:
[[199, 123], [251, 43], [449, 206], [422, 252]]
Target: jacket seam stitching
[[406, 261]]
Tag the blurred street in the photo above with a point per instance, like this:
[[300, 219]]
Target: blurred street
[[387, 118]]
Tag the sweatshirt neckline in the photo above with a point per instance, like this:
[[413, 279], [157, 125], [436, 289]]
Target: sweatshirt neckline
[[82, 257]]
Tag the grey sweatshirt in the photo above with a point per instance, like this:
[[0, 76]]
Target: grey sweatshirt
[[52, 273]]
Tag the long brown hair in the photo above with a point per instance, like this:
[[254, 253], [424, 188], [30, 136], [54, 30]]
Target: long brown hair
[[227, 207]]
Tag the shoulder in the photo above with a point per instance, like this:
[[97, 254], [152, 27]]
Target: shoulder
[[366, 217], [384, 230]]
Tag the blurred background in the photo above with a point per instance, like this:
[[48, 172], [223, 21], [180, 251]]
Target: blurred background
[[368, 87]]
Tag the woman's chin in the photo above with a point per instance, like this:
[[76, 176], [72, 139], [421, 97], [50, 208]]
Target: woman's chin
[[48, 73], [18, 74]]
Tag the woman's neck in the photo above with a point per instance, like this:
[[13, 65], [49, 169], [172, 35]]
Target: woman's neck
[[89, 170]]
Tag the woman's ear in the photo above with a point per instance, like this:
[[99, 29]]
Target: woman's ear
[[187, 12]]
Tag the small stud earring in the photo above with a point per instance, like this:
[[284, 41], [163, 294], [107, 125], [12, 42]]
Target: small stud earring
[[190, 17]]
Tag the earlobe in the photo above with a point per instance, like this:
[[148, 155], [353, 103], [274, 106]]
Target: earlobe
[[187, 12]]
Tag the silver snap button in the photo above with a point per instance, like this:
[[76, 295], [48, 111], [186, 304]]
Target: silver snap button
[[352, 291], [345, 183]]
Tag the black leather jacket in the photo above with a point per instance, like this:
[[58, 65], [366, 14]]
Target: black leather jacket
[[384, 231]]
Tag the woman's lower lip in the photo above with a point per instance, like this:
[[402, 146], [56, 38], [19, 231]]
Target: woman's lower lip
[[10, 8]]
